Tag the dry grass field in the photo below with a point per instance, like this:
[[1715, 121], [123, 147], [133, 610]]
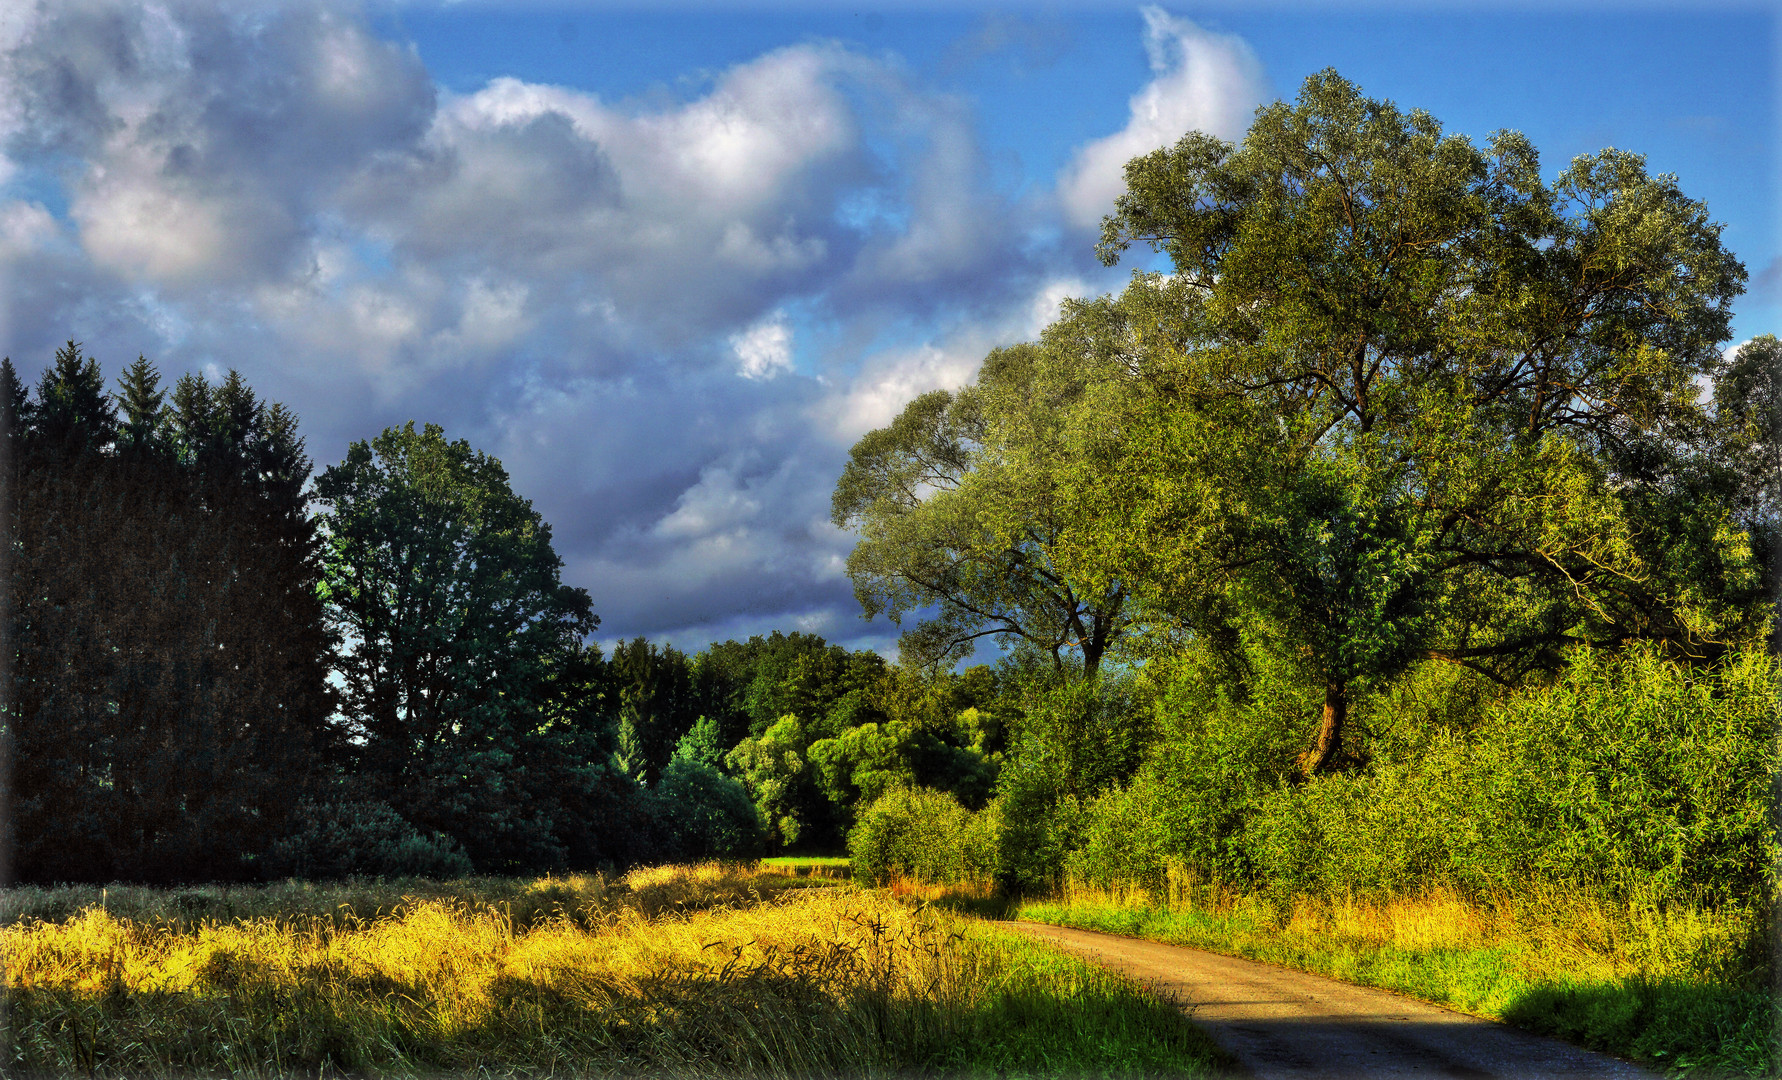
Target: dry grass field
[[679, 971]]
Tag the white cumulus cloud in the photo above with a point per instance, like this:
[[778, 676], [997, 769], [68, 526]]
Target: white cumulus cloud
[[1201, 82], [608, 294], [765, 349]]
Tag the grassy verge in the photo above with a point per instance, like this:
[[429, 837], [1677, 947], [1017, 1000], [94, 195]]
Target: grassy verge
[[681, 971], [1675, 988]]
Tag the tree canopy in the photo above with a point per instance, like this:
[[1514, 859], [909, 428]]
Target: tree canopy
[[1397, 399], [444, 585], [956, 506]]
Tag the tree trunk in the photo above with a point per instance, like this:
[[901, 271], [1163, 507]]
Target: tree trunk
[[1323, 757]]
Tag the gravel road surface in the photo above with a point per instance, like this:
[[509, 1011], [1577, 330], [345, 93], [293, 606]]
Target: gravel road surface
[[1288, 1024]]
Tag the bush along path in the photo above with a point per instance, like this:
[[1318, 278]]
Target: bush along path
[[1278, 1023]]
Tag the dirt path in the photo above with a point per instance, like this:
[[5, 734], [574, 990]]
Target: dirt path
[[1288, 1024]]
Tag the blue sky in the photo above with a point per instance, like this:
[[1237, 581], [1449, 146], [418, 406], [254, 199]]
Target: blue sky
[[669, 266]]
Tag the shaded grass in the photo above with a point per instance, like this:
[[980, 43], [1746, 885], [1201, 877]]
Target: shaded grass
[[676, 971], [1056, 1015], [587, 899], [1678, 988], [830, 867], [978, 898]]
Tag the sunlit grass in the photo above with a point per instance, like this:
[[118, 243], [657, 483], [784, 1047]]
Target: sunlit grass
[[1676, 985], [700, 971]]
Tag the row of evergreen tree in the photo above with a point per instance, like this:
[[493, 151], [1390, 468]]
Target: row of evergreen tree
[[168, 660]]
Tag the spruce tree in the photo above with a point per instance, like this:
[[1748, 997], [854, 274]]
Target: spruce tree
[[170, 660], [144, 405]]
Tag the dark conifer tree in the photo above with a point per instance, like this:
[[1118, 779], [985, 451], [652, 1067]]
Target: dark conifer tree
[[144, 404], [15, 401], [169, 654], [73, 412], [657, 704]]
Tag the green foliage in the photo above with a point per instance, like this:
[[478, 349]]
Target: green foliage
[[657, 704], [860, 730], [465, 677], [866, 761], [702, 814], [773, 766], [1195, 795], [1077, 739], [760, 674], [958, 518], [911, 730], [360, 838], [1631, 777], [1748, 411], [914, 832], [703, 744], [1400, 398]]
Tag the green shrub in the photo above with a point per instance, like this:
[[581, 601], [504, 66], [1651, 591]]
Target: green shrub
[[924, 834], [1191, 800], [1631, 775], [701, 814], [1076, 740], [1636, 777], [360, 837]]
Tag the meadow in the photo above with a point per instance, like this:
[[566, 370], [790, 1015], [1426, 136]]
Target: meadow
[[710, 970]]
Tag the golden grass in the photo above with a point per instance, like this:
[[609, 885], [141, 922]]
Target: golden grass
[[1550, 931], [674, 971]]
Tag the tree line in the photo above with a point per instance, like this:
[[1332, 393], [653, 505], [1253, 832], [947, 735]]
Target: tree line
[[217, 670]]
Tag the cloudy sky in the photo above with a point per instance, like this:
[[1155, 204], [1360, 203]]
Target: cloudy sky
[[669, 266]]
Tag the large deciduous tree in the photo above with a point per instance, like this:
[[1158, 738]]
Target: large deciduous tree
[[955, 503], [445, 587], [1401, 399], [1748, 423]]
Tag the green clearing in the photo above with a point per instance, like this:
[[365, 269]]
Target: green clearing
[[809, 869]]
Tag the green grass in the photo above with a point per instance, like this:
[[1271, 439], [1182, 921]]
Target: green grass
[[1056, 1015], [1531, 976], [805, 862]]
